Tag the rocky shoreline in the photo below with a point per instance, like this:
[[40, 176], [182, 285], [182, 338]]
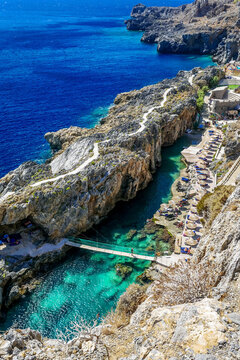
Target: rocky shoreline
[[71, 192], [62, 197], [193, 311], [204, 27]]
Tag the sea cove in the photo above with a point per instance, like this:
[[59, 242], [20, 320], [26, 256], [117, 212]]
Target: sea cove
[[119, 237], [65, 85], [87, 283]]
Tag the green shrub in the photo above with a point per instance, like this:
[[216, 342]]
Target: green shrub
[[214, 82], [200, 99]]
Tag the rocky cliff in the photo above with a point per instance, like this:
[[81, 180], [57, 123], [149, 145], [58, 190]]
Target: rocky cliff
[[209, 27], [92, 169], [192, 313]]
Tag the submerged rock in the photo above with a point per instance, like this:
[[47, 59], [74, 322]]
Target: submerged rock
[[123, 270], [131, 234], [145, 277]]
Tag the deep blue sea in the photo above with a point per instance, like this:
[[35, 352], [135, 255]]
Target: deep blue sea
[[62, 62]]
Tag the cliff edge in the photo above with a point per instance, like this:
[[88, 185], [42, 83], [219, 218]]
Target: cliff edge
[[205, 27], [92, 169]]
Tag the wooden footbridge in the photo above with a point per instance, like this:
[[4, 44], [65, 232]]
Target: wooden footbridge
[[117, 250]]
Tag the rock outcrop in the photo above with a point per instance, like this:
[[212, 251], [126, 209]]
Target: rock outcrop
[[204, 27], [232, 147], [205, 329], [94, 169], [221, 244]]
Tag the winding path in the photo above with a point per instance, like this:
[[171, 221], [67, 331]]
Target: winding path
[[96, 145], [96, 149], [190, 79]]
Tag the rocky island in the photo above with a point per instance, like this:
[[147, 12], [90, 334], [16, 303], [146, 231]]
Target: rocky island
[[209, 27]]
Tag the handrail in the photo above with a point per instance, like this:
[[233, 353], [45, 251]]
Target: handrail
[[110, 246]]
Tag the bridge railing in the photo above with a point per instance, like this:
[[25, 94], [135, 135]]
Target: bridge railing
[[109, 246]]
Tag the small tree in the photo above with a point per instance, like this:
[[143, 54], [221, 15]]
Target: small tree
[[214, 82], [80, 329], [200, 99]]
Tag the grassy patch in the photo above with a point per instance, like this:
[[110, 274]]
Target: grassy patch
[[233, 87]]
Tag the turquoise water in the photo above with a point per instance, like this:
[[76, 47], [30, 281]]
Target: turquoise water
[[87, 284]]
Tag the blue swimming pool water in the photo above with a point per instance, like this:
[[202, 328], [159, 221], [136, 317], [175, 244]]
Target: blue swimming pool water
[[62, 62]]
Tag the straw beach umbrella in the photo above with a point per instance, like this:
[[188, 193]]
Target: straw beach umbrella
[[192, 192], [202, 183], [204, 171], [163, 207], [202, 177], [198, 197], [191, 242], [193, 217], [201, 164], [172, 203], [189, 233], [191, 225], [194, 203]]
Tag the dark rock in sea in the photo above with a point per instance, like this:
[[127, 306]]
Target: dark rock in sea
[[145, 277], [123, 270], [203, 27], [131, 234]]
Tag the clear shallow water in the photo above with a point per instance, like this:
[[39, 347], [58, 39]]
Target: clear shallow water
[[63, 62], [87, 284]]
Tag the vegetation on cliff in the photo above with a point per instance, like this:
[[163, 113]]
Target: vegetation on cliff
[[211, 204]]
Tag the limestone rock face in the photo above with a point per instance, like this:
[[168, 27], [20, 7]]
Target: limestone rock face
[[58, 140], [203, 27], [232, 148], [93, 169], [221, 244], [29, 344], [188, 331]]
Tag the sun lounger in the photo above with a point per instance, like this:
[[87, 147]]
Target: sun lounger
[[185, 250], [185, 179]]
